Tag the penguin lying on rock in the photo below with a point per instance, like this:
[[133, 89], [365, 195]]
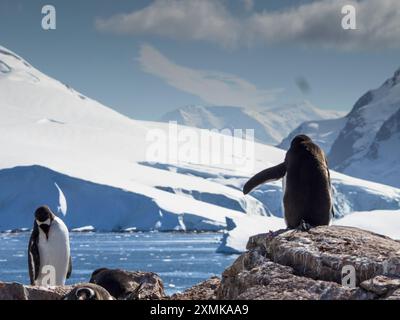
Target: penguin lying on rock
[[307, 191], [88, 291], [121, 284]]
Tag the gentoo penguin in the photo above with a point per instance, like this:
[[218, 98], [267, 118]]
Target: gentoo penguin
[[121, 284], [88, 291], [49, 250], [307, 198]]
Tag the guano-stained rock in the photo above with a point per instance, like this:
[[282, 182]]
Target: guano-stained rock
[[308, 265]]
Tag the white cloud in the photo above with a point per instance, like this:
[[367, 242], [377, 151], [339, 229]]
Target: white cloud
[[215, 88], [189, 19], [316, 23], [319, 23]]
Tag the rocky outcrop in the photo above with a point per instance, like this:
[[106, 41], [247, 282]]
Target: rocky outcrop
[[253, 276], [106, 284], [308, 265], [206, 290], [17, 291]]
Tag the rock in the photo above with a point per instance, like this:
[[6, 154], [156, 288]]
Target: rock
[[17, 291], [322, 252], [128, 285], [206, 290], [13, 291], [381, 285], [51, 293], [106, 284], [394, 296], [308, 265], [88, 291], [253, 276]]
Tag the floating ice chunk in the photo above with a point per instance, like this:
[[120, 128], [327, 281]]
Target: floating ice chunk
[[62, 207], [84, 229]]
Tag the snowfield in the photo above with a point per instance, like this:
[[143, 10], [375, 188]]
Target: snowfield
[[93, 167], [384, 222]]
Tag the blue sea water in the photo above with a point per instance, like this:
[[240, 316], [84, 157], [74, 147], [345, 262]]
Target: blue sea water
[[181, 259]]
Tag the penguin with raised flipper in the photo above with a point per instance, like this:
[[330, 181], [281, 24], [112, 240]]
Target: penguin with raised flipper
[[307, 191]]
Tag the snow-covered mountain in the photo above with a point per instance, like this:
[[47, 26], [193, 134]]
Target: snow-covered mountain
[[366, 142], [368, 146], [367, 127], [92, 166], [270, 125]]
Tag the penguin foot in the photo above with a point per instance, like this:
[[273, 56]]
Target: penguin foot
[[304, 226], [272, 234]]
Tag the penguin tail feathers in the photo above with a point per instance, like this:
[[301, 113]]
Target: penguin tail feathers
[[267, 175]]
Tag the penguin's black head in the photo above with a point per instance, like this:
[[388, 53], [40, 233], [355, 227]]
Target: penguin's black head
[[44, 217], [42, 214], [299, 139], [85, 294]]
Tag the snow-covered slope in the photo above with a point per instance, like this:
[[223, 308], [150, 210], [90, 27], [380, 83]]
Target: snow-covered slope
[[384, 222], [270, 125], [51, 134], [92, 164], [368, 146]]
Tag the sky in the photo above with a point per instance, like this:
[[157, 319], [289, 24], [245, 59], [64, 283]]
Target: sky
[[145, 58]]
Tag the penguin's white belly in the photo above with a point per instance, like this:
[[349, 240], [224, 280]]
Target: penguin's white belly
[[54, 255]]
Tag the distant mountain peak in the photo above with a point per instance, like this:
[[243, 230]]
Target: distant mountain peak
[[366, 142], [393, 81], [362, 147], [397, 72], [271, 125]]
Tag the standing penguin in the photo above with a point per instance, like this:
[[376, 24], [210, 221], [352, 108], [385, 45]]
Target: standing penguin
[[307, 198], [49, 250]]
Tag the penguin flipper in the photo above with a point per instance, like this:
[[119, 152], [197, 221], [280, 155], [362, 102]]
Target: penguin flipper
[[69, 267], [33, 255], [330, 186], [267, 175]]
